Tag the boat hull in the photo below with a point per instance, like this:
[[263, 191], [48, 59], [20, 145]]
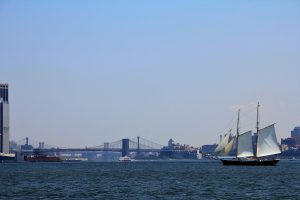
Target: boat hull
[[43, 159], [125, 159], [4, 158], [250, 162]]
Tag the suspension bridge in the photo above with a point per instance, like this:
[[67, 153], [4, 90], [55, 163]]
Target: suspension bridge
[[137, 144]]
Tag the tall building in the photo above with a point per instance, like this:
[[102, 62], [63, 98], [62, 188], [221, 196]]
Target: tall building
[[296, 132], [296, 135], [4, 119]]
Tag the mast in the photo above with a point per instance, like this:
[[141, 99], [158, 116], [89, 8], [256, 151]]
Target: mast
[[257, 127], [237, 132], [238, 124]]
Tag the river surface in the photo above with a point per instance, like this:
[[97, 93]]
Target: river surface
[[149, 180]]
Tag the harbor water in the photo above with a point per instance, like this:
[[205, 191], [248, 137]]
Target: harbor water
[[149, 180]]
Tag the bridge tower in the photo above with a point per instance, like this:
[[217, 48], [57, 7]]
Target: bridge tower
[[138, 143], [125, 147]]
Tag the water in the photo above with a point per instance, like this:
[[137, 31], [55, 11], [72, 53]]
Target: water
[[149, 180]]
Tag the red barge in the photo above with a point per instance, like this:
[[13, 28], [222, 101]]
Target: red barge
[[43, 158]]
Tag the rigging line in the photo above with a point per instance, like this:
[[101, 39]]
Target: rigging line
[[248, 117], [250, 121], [229, 125]]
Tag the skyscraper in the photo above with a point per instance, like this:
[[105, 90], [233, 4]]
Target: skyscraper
[[4, 119], [296, 135]]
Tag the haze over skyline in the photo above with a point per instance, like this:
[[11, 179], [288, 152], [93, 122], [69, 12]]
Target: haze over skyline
[[83, 73]]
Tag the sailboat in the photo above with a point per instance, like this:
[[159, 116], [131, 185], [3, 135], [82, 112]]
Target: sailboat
[[266, 146], [225, 145]]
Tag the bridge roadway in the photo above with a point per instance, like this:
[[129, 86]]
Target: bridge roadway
[[102, 149], [94, 149]]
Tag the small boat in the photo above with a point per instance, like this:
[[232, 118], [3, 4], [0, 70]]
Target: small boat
[[7, 157], [293, 159], [125, 159], [266, 146]]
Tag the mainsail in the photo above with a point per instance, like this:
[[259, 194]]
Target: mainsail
[[229, 146], [224, 142], [267, 142], [245, 148]]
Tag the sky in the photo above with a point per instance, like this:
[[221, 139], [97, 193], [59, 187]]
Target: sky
[[82, 73]]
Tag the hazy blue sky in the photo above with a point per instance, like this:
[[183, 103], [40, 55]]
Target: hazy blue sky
[[85, 72]]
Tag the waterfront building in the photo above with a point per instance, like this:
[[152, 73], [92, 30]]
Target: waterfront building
[[208, 149], [296, 132], [178, 151], [296, 135], [26, 146], [288, 142], [292, 142], [170, 143], [4, 119]]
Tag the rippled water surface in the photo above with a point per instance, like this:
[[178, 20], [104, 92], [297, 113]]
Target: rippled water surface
[[149, 180]]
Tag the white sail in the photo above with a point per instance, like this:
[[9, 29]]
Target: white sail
[[267, 142], [229, 146], [245, 148], [224, 142]]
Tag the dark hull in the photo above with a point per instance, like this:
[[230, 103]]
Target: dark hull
[[250, 162], [7, 159], [43, 159]]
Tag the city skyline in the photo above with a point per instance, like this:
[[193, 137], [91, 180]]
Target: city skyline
[[82, 74]]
